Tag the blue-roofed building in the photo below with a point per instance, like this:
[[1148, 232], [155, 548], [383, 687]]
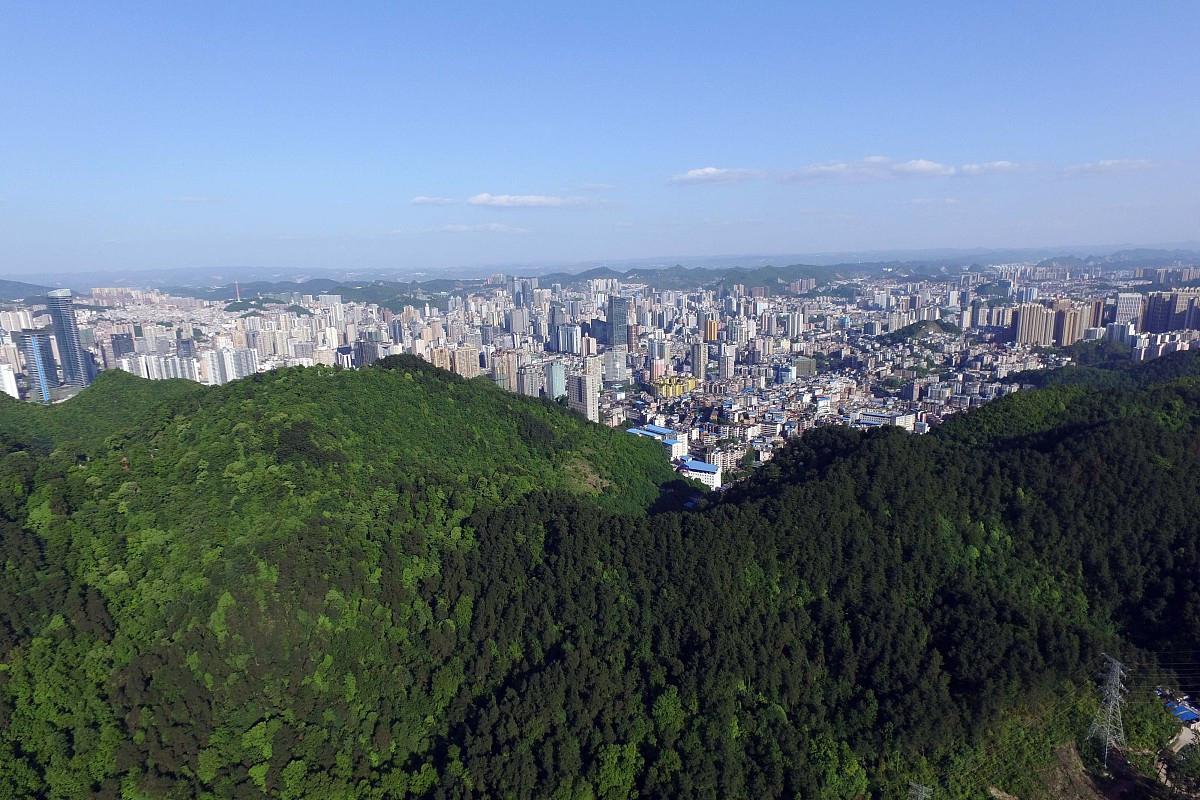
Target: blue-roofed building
[[675, 447], [708, 474], [1183, 712]]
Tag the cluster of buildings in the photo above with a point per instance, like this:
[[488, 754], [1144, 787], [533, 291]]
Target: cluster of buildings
[[719, 375], [48, 350]]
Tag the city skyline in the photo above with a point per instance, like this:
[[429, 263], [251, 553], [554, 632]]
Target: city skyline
[[422, 139]]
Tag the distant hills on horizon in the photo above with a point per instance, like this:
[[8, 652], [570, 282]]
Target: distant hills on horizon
[[919, 261], [19, 290]]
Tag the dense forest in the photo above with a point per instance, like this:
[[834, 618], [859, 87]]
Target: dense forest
[[395, 583]]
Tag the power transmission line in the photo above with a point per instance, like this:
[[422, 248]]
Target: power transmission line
[[1108, 725], [1135, 683]]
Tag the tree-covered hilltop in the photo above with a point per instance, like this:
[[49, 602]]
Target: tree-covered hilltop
[[395, 583], [922, 329], [117, 401], [403, 420]]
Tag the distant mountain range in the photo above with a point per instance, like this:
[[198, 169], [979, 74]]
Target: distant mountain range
[[18, 290], [1142, 257], [396, 294], [391, 294], [667, 272]]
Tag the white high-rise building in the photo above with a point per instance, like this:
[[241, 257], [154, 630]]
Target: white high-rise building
[[8, 381], [1129, 308]]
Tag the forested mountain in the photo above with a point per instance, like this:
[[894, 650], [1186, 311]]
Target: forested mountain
[[19, 290], [395, 583]]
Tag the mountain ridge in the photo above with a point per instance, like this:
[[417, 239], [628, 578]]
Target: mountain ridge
[[381, 583]]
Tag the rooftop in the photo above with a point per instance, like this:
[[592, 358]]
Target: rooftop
[[693, 465]]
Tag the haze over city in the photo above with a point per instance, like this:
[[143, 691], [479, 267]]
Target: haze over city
[[425, 137]]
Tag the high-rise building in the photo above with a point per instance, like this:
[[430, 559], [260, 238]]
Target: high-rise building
[[530, 380], [618, 321], [1172, 311], [1034, 324], [344, 356], [1129, 308], [583, 395], [521, 290], [556, 380], [793, 323], [504, 369], [157, 368], [226, 364], [518, 320], [76, 364], [465, 361], [40, 370], [656, 349], [594, 366], [558, 315], [727, 361], [570, 339], [711, 327], [699, 360], [244, 360], [8, 381], [615, 365], [1070, 321], [16, 320], [440, 357], [122, 344]]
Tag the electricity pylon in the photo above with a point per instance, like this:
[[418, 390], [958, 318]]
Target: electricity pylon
[[1107, 725], [917, 791]]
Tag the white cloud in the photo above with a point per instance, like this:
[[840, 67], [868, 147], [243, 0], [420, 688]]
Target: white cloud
[[880, 168], [1109, 165], [483, 227], [524, 200], [426, 200], [921, 166], [833, 169], [716, 175], [989, 168], [869, 168]]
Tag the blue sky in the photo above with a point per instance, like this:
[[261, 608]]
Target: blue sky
[[378, 135]]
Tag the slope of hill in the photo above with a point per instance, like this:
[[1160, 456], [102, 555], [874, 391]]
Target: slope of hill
[[117, 401], [19, 290], [403, 420], [921, 330], [393, 583]]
